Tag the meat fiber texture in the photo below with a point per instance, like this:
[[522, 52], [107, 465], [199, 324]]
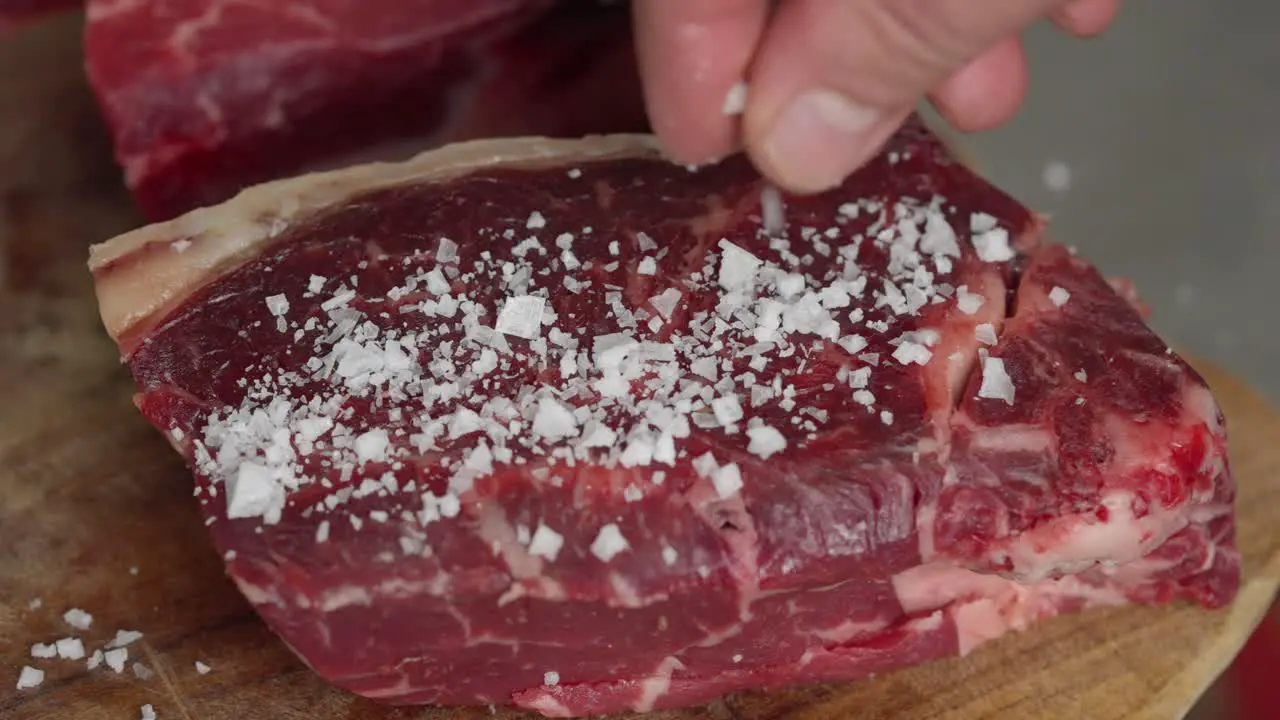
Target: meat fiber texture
[[206, 97], [14, 13], [568, 427]]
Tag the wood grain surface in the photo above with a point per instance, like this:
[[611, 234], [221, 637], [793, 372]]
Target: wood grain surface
[[96, 510]]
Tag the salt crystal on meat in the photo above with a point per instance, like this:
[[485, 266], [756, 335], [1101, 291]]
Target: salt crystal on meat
[[727, 480], [554, 421], [124, 638], [910, 352], [78, 619], [30, 677], [609, 543], [116, 658], [546, 543], [765, 441], [985, 333], [996, 383], [991, 243], [738, 268], [968, 303], [521, 317], [70, 648]]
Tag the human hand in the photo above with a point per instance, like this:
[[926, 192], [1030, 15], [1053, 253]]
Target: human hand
[[831, 80]]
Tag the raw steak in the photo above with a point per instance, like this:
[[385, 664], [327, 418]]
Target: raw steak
[[18, 12], [561, 425], [205, 98]]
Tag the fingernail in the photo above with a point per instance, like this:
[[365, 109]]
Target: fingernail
[[818, 138]]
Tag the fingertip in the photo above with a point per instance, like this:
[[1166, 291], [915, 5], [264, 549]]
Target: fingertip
[[987, 92], [1086, 18], [818, 139], [691, 53]]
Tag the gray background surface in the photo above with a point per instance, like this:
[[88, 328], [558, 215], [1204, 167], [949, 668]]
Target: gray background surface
[[1170, 124]]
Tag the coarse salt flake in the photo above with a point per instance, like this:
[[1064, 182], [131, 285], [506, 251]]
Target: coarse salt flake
[[202, 668], [727, 409], [852, 344], [639, 451], [772, 211], [985, 333], [30, 677], [727, 480], [278, 305], [546, 543], [78, 619], [124, 638], [992, 245], [1059, 296], [609, 542], [705, 367], [464, 422], [765, 441], [70, 648], [254, 492], [554, 421], [996, 383], [437, 283], [939, 237], [372, 446], [535, 221], [738, 268], [43, 650], [551, 677], [648, 266], [446, 251], [116, 658], [599, 436], [148, 712], [665, 302], [909, 352], [610, 350], [735, 101], [981, 222], [968, 302], [521, 316]]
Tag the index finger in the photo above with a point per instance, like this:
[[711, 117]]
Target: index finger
[[691, 53]]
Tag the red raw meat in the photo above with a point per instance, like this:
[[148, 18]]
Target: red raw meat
[[561, 425], [19, 12], [205, 98]]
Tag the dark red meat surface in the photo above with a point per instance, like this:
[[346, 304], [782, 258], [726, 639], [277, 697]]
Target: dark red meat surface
[[920, 506], [204, 98]]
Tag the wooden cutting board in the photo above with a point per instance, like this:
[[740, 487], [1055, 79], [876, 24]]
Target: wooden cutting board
[[96, 510]]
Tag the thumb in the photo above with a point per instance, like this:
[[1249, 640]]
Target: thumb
[[833, 79]]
